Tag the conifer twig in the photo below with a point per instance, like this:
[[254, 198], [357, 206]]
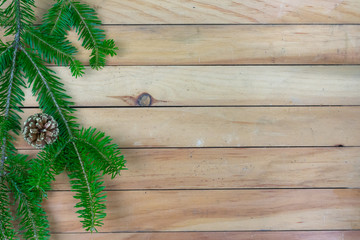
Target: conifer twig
[[86, 153], [15, 45], [26, 205], [69, 131]]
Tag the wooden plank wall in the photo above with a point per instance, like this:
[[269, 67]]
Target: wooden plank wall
[[239, 119]]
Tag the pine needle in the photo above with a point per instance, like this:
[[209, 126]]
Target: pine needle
[[86, 154]]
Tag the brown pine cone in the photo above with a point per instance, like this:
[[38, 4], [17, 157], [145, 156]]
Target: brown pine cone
[[40, 130]]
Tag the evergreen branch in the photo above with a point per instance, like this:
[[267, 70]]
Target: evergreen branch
[[87, 32], [5, 56], [2, 18], [108, 156], [54, 49], [83, 155], [86, 24], [11, 82], [6, 229], [34, 223], [51, 94], [33, 218], [24, 206], [11, 100], [58, 15], [6, 111], [108, 47], [2, 2], [57, 20], [20, 16], [88, 184], [42, 169], [87, 18], [33, 69], [60, 54]]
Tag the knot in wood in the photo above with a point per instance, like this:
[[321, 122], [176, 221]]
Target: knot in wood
[[144, 100]]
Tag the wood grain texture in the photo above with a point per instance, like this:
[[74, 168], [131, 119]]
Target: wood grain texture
[[294, 235], [224, 11], [233, 168], [233, 44], [194, 192], [215, 85], [223, 127], [216, 210]]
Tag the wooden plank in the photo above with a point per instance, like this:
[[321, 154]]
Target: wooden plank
[[225, 11], [233, 44], [224, 127], [294, 235], [234, 168], [209, 86], [236, 210]]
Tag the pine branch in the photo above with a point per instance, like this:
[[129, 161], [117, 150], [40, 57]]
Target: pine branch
[[60, 54], [7, 91], [2, 14], [46, 165], [57, 20], [88, 154], [2, 2], [84, 181], [5, 56], [88, 184], [86, 24], [54, 49], [100, 147], [85, 20], [6, 228], [20, 16], [11, 93], [51, 94], [2, 18], [10, 100], [33, 220]]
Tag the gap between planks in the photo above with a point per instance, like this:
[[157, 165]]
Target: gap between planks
[[275, 235]]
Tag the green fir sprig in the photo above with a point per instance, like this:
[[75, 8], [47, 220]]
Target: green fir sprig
[[85, 154]]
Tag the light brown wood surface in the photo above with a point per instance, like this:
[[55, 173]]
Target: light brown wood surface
[[216, 210], [223, 127], [233, 168], [233, 44], [224, 11], [293, 235], [213, 85], [243, 139]]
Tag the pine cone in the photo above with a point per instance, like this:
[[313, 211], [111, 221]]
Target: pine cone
[[40, 130]]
